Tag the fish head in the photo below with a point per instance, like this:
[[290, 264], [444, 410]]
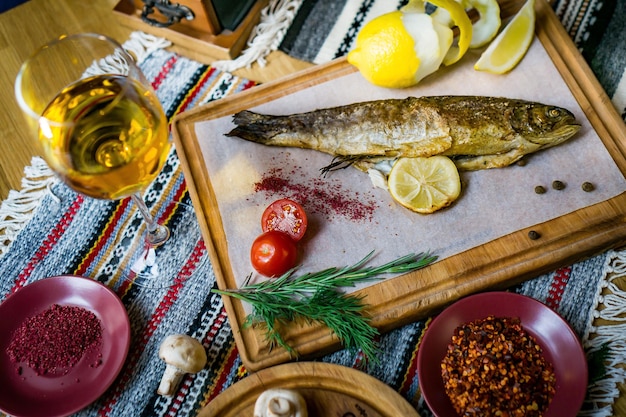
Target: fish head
[[544, 125]]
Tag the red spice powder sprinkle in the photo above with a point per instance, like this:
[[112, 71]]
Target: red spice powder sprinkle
[[54, 340], [323, 196]]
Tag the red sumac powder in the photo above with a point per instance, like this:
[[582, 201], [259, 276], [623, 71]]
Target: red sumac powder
[[323, 196], [56, 339]]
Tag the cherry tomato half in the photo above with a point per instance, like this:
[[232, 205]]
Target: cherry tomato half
[[273, 253], [286, 216]]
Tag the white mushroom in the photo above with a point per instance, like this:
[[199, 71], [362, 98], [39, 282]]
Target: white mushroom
[[277, 402], [183, 355]]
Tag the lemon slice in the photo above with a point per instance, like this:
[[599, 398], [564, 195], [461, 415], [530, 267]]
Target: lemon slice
[[449, 13], [510, 46], [424, 185], [463, 23], [432, 40], [486, 28]]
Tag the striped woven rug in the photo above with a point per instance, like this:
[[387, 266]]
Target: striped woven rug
[[71, 234]]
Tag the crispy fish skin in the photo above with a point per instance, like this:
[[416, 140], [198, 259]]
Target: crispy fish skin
[[476, 132]]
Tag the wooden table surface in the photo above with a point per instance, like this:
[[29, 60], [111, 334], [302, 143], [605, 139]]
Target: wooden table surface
[[35, 22]]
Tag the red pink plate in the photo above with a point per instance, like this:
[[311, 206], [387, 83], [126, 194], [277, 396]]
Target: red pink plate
[[23, 392], [559, 343]]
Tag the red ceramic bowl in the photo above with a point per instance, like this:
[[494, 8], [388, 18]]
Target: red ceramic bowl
[[29, 394], [558, 341]]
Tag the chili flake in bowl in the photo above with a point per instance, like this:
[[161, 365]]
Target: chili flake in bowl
[[493, 367], [560, 348]]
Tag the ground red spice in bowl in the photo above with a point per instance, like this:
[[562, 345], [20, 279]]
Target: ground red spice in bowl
[[56, 339], [493, 367]]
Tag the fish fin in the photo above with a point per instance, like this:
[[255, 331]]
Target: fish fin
[[252, 126], [340, 162], [474, 163]]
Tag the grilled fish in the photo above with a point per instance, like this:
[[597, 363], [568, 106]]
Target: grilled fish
[[475, 132]]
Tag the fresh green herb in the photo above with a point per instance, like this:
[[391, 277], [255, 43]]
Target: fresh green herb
[[318, 297]]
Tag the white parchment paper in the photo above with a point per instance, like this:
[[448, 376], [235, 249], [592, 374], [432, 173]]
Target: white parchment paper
[[493, 203]]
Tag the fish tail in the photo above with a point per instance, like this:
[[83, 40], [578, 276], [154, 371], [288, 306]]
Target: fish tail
[[254, 127]]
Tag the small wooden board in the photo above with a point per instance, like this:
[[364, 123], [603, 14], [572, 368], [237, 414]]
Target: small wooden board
[[500, 263], [329, 390]]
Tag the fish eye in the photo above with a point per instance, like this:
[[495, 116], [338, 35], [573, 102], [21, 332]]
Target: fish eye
[[554, 112]]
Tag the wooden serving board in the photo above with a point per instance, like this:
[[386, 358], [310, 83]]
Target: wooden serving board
[[498, 263], [328, 390]]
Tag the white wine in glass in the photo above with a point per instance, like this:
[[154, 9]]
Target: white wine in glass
[[98, 122], [106, 136]]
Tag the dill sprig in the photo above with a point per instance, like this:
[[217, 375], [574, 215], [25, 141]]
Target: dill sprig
[[318, 297]]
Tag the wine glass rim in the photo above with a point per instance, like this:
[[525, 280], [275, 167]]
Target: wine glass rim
[[63, 38]]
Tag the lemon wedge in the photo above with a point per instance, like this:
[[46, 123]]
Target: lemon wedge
[[510, 46], [424, 185]]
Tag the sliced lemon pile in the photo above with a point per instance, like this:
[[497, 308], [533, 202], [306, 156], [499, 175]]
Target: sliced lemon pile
[[424, 185], [398, 49], [385, 53], [510, 46]]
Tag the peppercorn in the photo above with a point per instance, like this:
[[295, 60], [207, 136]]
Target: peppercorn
[[558, 185], [533, 235], [540, 189], [588, 187]]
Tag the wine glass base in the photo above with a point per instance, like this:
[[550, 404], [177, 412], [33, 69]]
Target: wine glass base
[[166, 264], [158, 236]]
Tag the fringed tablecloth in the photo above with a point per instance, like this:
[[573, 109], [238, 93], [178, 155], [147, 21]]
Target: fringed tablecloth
[[48, 230]]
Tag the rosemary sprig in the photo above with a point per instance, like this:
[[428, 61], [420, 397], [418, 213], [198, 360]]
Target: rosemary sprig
[[318, 297]]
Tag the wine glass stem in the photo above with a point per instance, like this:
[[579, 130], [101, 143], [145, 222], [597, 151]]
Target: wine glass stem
[[157, 234]]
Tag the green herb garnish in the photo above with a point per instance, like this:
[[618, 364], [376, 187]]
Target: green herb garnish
[[317, 297]]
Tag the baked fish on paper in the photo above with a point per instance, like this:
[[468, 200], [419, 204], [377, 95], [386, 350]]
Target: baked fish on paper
[[475, 132]]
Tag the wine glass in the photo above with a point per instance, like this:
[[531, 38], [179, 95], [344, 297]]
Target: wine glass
[[100, 126]]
